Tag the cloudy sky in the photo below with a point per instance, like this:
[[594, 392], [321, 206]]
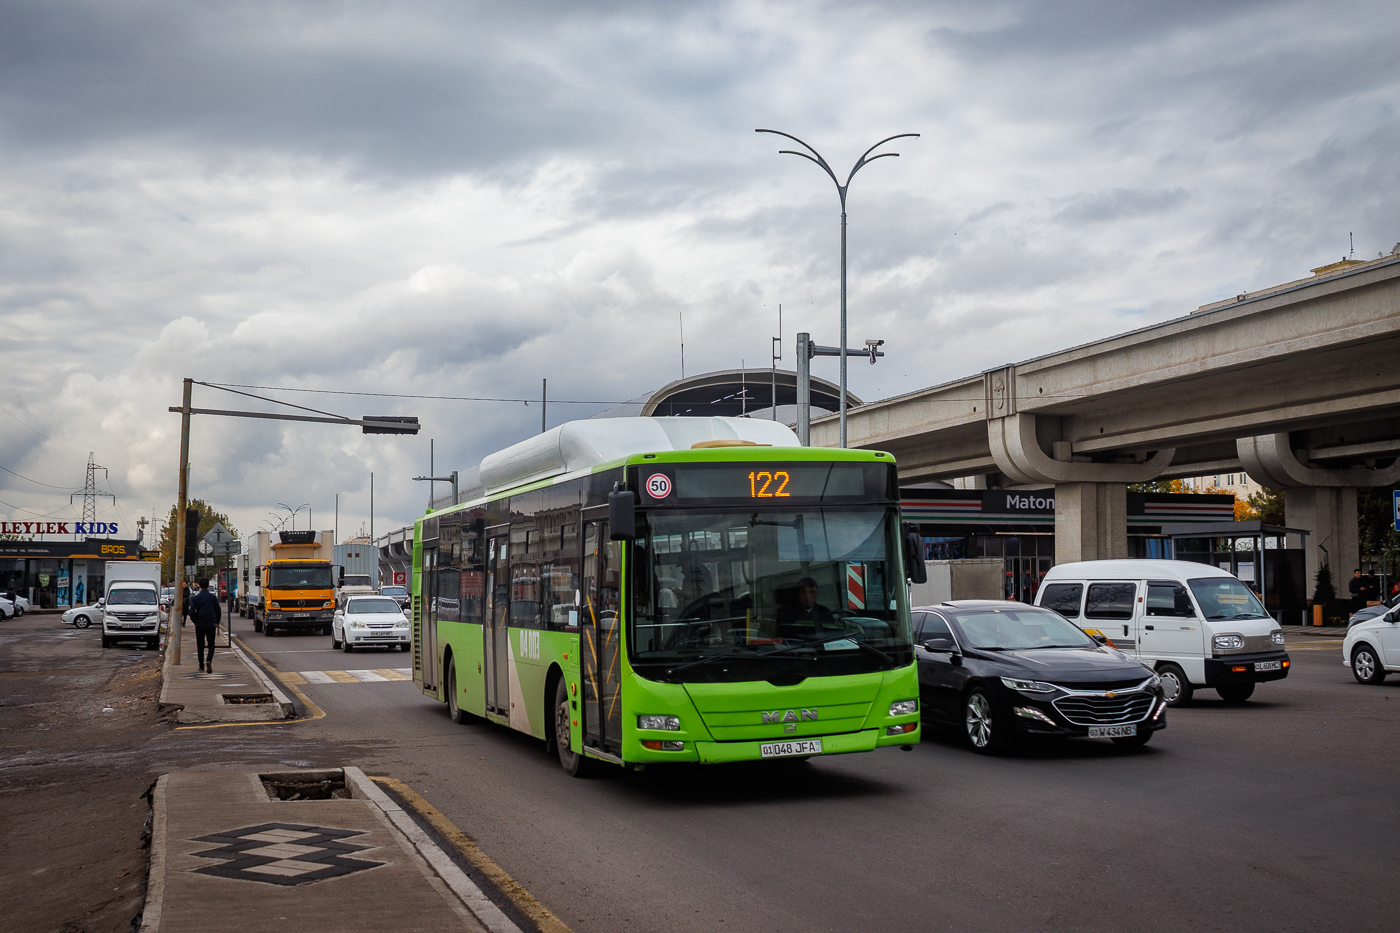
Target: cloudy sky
[[464, 198]]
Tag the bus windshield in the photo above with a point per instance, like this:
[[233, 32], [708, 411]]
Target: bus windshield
[[309, 577], [817, 585]]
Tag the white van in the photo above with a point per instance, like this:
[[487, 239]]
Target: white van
[[1196, 625]]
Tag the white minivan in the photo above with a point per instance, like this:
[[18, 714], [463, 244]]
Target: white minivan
[[1194, 624]]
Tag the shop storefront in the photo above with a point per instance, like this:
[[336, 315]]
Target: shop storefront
[[59, 574], [1018, 526]]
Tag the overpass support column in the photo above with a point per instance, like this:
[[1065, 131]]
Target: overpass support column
[[1320, 501], [1091, 499], [1091, 521]]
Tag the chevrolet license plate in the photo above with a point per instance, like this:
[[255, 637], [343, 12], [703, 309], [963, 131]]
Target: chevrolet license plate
[[787, 749], [1111, 732]]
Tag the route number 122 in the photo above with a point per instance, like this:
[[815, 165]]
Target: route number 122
[[761, 485]]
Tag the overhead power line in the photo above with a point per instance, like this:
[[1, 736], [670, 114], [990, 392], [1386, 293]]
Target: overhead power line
[[35, 481]]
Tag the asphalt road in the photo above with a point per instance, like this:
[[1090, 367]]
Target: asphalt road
[[1279, 815]]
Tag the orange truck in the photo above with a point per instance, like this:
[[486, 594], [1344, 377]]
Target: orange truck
[[298, 584]]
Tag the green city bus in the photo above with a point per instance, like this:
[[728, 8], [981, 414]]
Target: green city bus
[[649, 590]]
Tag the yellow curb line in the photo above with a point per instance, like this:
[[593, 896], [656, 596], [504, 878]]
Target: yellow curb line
[[523, 900], [316, 711]]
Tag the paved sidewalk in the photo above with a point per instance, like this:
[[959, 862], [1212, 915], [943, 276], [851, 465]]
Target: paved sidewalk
[[1318, 631], [211, 698], [227, 856]]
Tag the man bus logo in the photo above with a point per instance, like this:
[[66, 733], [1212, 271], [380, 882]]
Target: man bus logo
[[789, 718], [659, 485]]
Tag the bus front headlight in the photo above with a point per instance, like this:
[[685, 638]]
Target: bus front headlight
[[669, 723], [904, 707]]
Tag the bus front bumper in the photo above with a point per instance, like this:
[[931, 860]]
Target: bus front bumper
[[719, 752]]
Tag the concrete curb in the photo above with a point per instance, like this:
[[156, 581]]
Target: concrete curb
[[162, 703], [456, 880], [289, 709], [155, 872]]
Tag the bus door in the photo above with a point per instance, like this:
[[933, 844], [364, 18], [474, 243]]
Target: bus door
[[497, 645], [600, 640], [425, 642]]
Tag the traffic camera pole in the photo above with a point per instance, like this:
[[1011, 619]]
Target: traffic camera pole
[[177, 612]]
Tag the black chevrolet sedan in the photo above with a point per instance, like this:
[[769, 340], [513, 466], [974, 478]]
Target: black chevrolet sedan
[[998, 671]]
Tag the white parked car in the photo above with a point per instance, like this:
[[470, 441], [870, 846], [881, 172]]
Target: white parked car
[[7, 609], [367, 621], [13, 606], [1372, 647], [83, 616]]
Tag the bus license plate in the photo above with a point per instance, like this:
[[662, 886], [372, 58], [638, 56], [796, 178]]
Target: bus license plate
[[1268, 665], [785, 749], [1111, 732]]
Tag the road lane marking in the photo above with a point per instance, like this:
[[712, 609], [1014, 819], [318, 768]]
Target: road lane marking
[[376, 676], [367, 676], [523, 900]]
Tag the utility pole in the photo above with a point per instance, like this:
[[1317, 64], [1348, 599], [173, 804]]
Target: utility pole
[[337, 520], [544, 407], [177, 605], [371, 508], [806, 349], [777, 355]]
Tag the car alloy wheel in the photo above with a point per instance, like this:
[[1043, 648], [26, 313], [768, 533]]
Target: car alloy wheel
[[979, 720], [1365, 667]]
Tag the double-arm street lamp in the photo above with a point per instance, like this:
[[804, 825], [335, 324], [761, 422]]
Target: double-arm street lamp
[[840, 190], [293, 516]]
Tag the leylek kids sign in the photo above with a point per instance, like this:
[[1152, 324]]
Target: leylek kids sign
[[58, 528]]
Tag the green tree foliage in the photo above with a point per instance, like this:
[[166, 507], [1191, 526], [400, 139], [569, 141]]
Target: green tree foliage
[[1268, 504], [1325, 595], [208, 518]]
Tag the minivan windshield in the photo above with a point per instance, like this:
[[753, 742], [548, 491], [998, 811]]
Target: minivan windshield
[[1019, 629], [1222, 598]]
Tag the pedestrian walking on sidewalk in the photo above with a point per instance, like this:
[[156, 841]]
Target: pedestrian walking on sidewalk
[[204, 612]]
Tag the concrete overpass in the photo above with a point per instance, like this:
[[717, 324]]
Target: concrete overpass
[[1297, 385]]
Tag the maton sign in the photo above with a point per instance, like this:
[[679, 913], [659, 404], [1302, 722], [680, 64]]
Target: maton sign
[[58, 528]]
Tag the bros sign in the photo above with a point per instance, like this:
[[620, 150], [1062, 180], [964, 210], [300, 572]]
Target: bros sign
[[58, 528]]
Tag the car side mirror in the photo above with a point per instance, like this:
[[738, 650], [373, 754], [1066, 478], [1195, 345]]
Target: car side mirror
[[939, 644], [622, 515]]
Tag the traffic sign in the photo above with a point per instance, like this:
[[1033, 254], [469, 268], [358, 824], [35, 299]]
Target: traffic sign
[[205, 547]]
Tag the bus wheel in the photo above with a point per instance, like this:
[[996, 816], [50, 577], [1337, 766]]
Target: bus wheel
[[454, 710], [573, 763]]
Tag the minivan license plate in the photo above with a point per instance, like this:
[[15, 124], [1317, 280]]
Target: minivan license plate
[[1111, 732], [784, 749], [1268, 665]]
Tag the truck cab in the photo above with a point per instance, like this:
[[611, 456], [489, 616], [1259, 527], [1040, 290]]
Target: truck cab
[[298, 585]]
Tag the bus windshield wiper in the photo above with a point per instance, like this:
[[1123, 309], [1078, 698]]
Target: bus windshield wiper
[[720, 657], [845, 636]]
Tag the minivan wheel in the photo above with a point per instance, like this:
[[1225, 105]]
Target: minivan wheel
[[1235, 694], [982, 730], [1176, 689], [1365, 666]]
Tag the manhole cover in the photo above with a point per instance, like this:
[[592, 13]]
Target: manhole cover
[[284, 853]]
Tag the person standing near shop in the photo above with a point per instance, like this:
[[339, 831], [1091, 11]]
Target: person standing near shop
[[204, 613]]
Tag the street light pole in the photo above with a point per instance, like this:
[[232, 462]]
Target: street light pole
[[840, 190]]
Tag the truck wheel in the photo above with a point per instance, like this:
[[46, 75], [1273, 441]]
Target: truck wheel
[[81, 622], [1235, 694], [1176, 689], [257, 623]]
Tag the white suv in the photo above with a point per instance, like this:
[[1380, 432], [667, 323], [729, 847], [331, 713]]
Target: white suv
[[1372, 647]]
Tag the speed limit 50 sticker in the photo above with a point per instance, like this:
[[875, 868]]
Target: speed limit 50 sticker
[[658, 485]]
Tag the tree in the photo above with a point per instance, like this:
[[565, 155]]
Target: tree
[[1325, 595], [208, 518], [1268, 505], [1159, 485]]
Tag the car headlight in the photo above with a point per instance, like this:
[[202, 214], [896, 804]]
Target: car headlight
[[904, 707], [1227, 642], [357, 624], [402, 623], [1276, 637], [1028, 686], [669, 723]]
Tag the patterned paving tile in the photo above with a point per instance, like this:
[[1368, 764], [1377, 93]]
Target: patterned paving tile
[[284, 853]]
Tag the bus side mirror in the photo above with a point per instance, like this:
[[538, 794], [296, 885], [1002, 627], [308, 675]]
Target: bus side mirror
[[622, 515], [914, 567]]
